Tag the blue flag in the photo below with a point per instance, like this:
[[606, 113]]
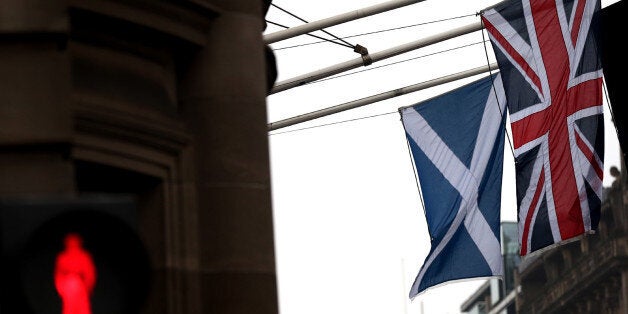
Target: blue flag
[[457, 143]]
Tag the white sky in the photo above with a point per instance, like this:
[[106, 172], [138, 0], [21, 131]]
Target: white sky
[[350, 233]]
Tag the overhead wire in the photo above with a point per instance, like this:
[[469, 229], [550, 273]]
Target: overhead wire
[[378, 31], [512, 150], [610, 109], [393, 63], [311, 35], [332, 123], [382, 66], [304, 21], [416, 173]]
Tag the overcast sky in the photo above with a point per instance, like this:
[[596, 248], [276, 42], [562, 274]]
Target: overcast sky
[[350, 232]]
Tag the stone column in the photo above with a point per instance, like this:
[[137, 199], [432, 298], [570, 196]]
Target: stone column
[[623, 295], [35, 115], [222, 98]]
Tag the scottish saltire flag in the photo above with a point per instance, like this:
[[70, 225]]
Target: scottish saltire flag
[[457, 143], [552, 77]]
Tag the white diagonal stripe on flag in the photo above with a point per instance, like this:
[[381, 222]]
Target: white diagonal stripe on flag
[[466, 184]]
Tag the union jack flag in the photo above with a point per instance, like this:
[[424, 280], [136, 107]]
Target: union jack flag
[[552, 76]]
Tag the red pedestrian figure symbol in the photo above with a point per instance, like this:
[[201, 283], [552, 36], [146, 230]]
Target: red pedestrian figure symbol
[[75, 276]]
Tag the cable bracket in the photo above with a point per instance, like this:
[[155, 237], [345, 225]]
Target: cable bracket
[[366, 58]]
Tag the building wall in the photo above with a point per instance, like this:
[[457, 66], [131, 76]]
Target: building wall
[[585, 276], [164, 100], [496, 295]]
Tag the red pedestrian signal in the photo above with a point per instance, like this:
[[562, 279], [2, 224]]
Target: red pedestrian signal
[[75, 276], [77, 256]]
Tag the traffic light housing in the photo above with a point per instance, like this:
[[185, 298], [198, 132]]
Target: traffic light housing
[[32, 238]]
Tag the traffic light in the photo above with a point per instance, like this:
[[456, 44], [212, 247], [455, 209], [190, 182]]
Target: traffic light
[[71, 256]]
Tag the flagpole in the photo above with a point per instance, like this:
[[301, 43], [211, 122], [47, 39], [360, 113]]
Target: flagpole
[[379, 97], [337, 19], [374, 57]]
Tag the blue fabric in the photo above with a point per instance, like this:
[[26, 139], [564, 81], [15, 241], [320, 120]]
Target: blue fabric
[[456, 118]]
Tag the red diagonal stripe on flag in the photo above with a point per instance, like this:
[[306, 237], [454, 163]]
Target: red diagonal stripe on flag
[[575, 26], [513, 53], [590, 156], [531, 210]]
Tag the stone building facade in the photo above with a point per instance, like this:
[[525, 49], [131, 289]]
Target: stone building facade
[[585, 276], [162, 100]]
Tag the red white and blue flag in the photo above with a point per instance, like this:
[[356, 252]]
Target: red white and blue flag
[[552, 76]]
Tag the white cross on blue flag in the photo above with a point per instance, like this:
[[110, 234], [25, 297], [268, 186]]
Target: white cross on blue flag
[[457, 143]]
